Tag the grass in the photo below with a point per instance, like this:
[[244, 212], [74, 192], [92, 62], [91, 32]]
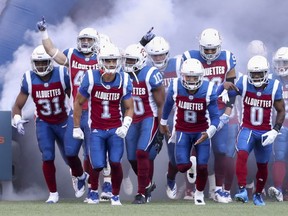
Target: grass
[[159, 208]]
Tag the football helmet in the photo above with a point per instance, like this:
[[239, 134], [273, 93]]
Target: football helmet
[[135, 58], [210, 39], [280, 61], [42, 63], [192, 74], [256, 47], [109, 59], [158, 51], [258, 68], [88, 41]]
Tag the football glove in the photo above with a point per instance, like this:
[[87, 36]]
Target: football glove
[[41, 25], [211, 131], [147, 37], [224, 119], [19, 124], [122, 131], [269, 137], [158, 142], [224, 95], [78, 133]]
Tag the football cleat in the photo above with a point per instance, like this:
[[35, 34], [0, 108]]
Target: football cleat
[[189, 194], [227, 195], [242, 196], [191, 173], [199, 198], [220, 196], [275, 193], [53, 198], [257, 200], [149, 189], [139, 199], [79, 184], [115, 200], [88, 195], [93, 197], [171, 189], [106, 191]]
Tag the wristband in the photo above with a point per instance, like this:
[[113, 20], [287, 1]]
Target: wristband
[[163, 122], [277, 127]]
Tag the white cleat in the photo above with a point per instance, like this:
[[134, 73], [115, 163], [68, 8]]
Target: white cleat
[[79, 184], [93, 197], [189, 195], [220, 196], [199, 198], [115, 201], [275, 193], [172, 193], [53, 198], [192, 172]]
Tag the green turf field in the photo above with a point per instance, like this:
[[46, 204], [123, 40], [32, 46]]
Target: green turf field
[[175, 208]]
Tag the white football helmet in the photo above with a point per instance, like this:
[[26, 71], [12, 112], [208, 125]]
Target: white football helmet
[[42, 63], [158, 50], [91, 44], [256, 47], [258, 68], [103, 40], [192, 74], [210, 39], [280, 61], [105, 58], [138, 54]]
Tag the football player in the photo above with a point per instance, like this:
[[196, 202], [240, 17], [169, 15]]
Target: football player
[[48, 86], [259, 96]]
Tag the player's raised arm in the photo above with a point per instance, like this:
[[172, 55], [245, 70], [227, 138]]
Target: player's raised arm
[[54, 52]]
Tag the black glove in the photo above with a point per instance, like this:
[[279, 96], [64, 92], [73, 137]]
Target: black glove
[[147, 37], [158, 141]]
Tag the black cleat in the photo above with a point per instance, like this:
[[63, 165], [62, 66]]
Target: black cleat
[[139, 199], [149, 190]]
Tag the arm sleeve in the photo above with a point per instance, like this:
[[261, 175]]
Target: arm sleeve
[[213, 113], [169, 102], [231, 98]]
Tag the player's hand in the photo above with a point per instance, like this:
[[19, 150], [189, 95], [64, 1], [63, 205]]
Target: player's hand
[[158, 142], [203, 137], [224, 119], [230, 86], [19, 124], [78, 133], [41, 25], [269, 137], [122, 131], [147, 37]]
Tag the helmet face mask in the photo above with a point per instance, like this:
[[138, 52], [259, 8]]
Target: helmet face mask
[[210, 44], [41, 62], [88, 41], [258, 68], [192, 74], [137, 53], [280, 61], [158, 50]]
